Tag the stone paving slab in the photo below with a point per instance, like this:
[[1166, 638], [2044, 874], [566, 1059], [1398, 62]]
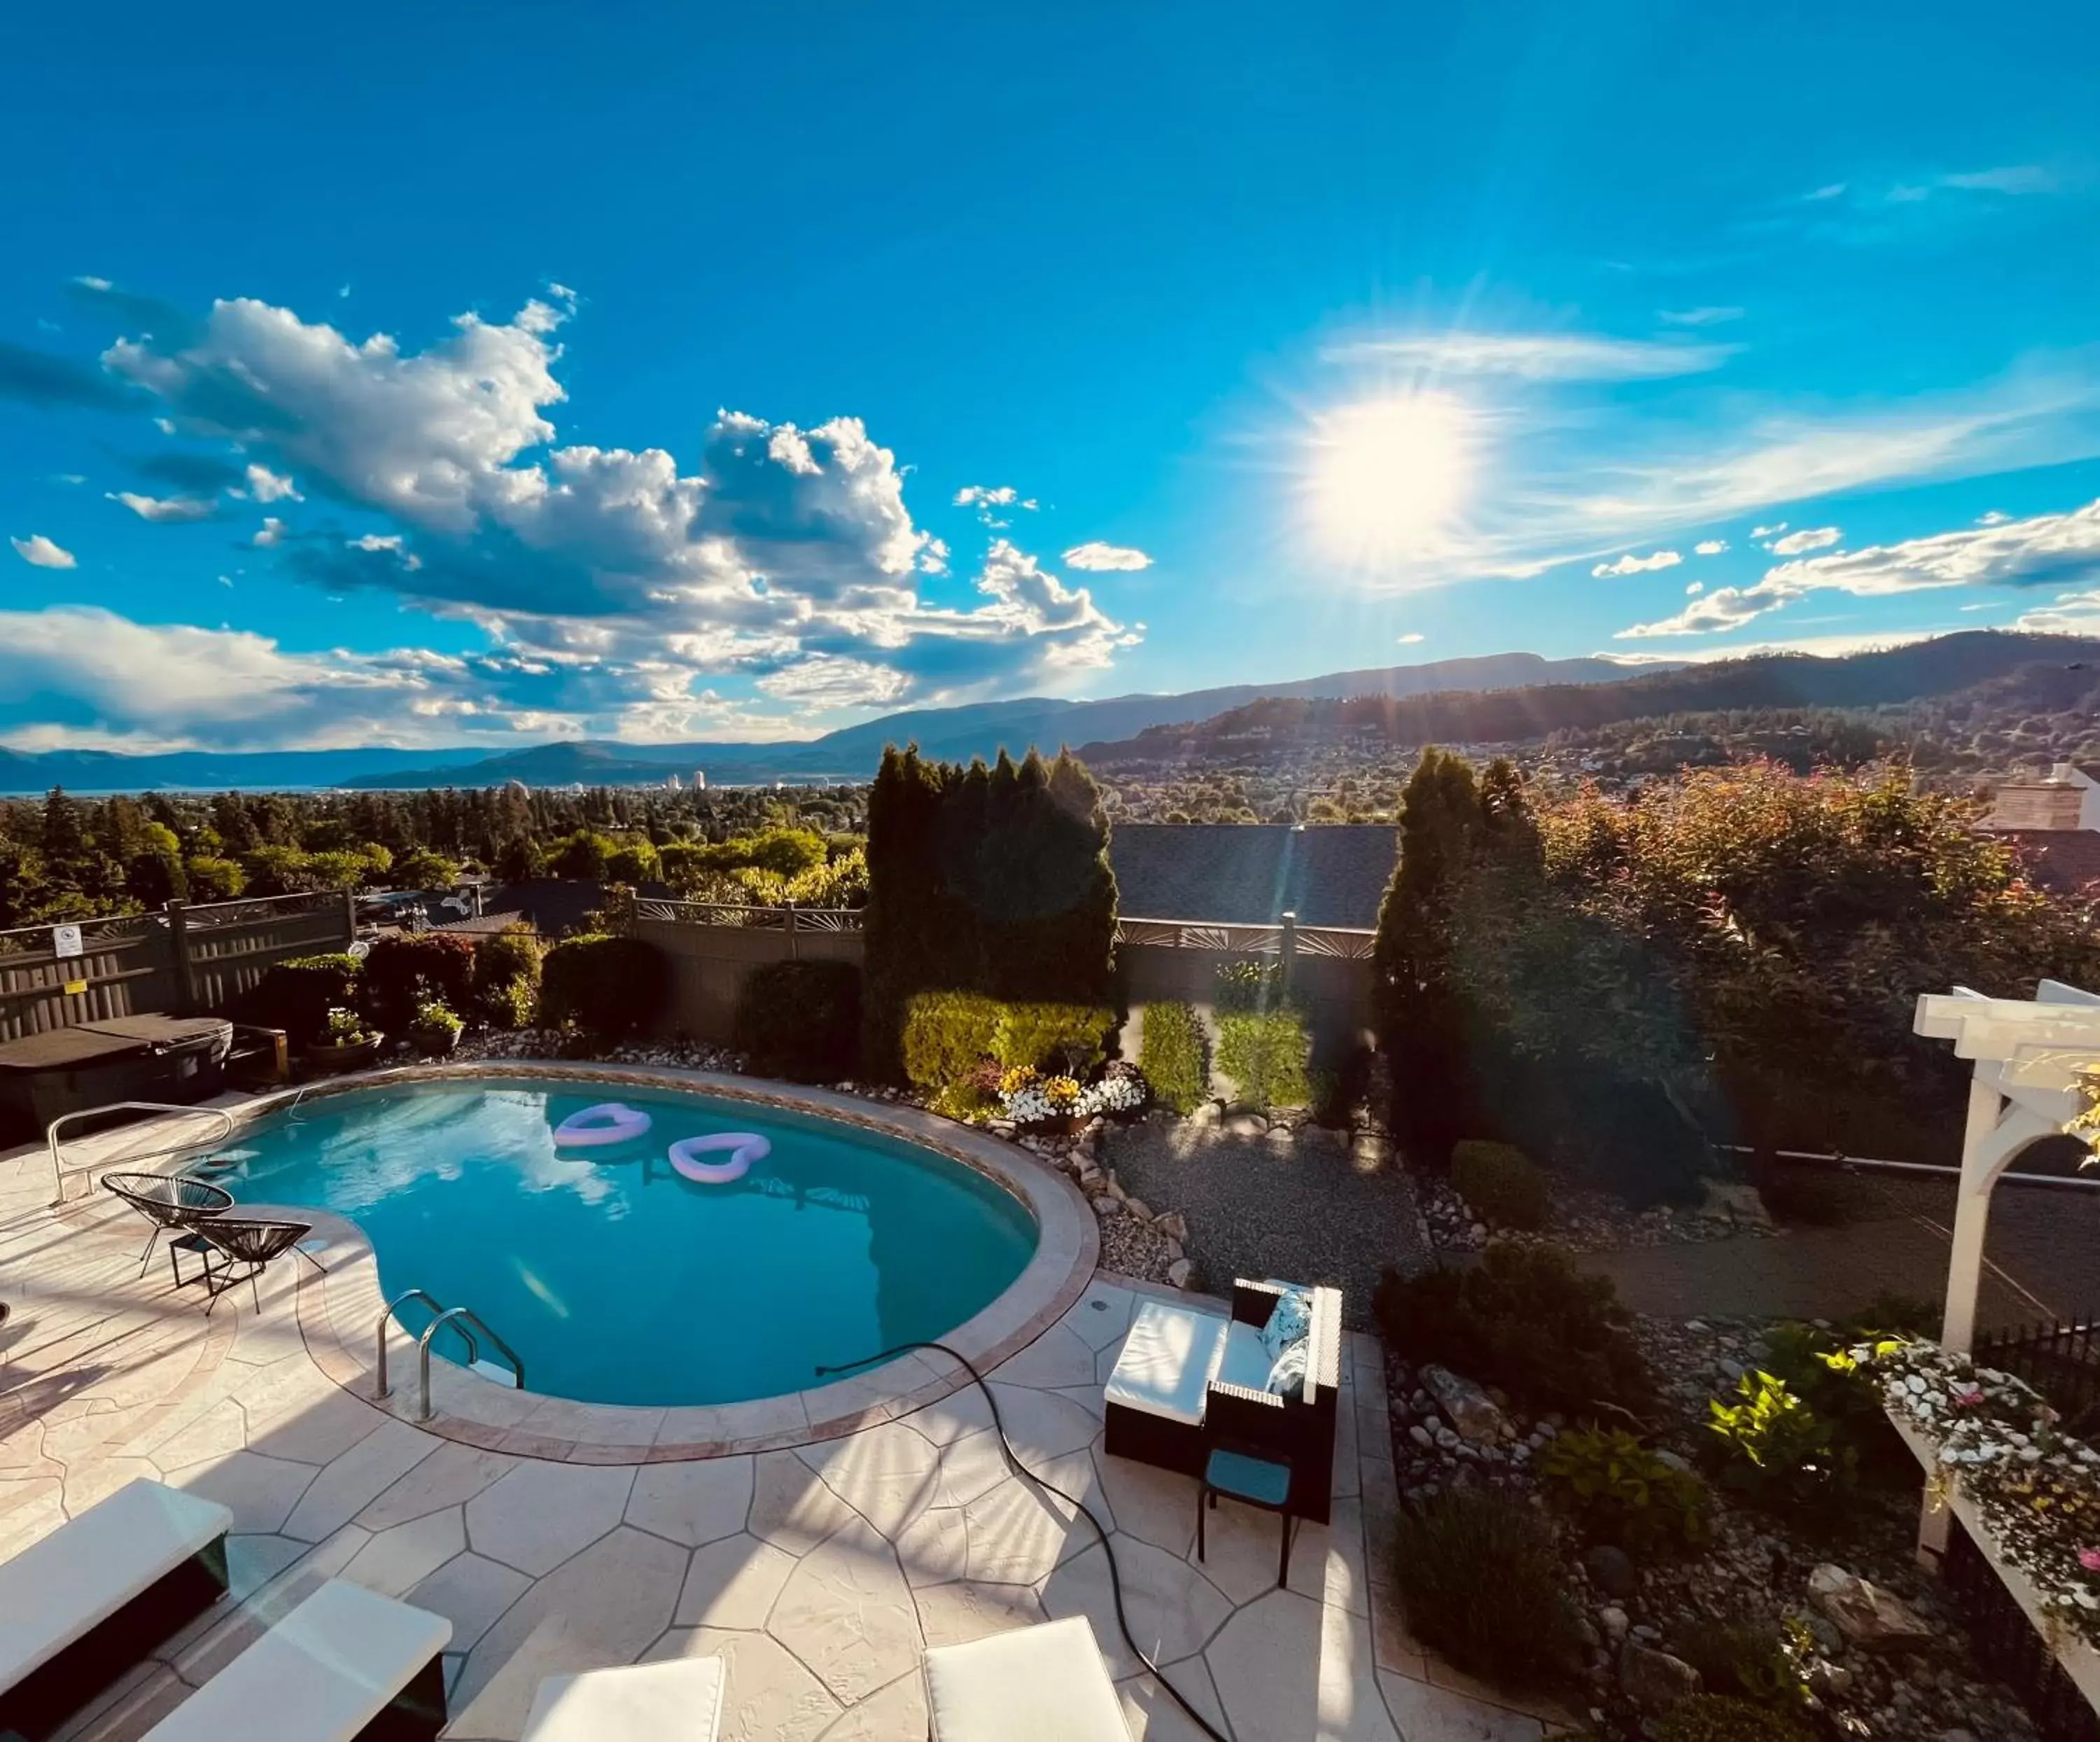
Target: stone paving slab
[[820, 1572]]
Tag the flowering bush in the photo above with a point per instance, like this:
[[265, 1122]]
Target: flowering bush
[[1030, 1099], [2038, 1489], [346, 1027]]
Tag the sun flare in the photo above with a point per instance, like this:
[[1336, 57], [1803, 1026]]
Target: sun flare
[[1386, 476]]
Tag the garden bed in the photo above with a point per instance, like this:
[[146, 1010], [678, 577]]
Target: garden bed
[[1645, 1620]]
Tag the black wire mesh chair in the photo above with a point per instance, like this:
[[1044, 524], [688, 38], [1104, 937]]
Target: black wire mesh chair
[[172, 1202], [247, 1248]]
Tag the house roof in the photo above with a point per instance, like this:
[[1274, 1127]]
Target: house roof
[[2064, 859], [1250, 874]]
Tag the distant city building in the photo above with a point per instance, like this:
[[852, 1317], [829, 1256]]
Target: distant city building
[[519, 787], [671, 783], [699, 779], [2054, 823]]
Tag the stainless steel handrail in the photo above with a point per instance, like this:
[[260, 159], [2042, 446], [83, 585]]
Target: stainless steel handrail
[[468, 1315], [386, 1317], [219, 1113]]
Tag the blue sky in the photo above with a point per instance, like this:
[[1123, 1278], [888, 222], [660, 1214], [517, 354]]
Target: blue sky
[[496, 373]]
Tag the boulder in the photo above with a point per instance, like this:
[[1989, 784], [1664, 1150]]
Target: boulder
[[1611, 1569], [1615, 1622], [1653, 1680], [1174, 1225], [1107, 1205], [1469, 1409], [1870, 1617], [1179, 1271], [1724, 1201]]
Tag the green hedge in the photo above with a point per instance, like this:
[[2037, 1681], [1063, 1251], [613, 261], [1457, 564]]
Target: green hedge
[[297, 995], [403, 973], [506, 976], [946, 1036], [1171, 1056], [613, 987], [1266, 1055], [801, 1020], [1500, 1183], [1067, 1039]]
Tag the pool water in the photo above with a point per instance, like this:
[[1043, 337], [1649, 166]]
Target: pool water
[[617, 1280]]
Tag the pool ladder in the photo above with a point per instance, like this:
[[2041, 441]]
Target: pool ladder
[[465, 1321]]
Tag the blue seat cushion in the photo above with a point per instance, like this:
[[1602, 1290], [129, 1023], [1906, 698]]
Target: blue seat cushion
[[1244, 1477]]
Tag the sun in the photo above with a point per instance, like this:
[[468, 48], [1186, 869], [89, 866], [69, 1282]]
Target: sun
[[1386, 477]]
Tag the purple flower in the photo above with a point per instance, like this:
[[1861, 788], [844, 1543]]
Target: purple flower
[[2090, 1559]]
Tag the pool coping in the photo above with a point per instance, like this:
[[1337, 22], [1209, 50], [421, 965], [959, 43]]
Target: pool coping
[[339, 1303]]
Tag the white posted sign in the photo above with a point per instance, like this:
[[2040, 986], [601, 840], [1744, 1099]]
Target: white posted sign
[[65, 941]]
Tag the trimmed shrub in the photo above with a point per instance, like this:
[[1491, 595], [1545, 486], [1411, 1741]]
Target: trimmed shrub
[[402, 973], [297, 995], [1778, 1451], [612, 987], [1525, 1319], [1724, 1717], [1482, 1581], [515, 1004], [1616, 1490], [1171, 1056], [1067, 1040], [501, 961], [801, 1020], [947, 1035], [1501, 1183], [1266, 1056]]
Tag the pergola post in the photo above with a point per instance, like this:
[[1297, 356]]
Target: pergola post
[[2026, 1054]]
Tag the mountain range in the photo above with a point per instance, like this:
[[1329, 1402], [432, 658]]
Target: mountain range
[[1499, 697], [849, 753]]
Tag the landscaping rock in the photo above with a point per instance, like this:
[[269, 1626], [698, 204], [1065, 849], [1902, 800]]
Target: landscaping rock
[[1615, 1622], [1612, 1571], [1870, 1617], [1179, 1271], [1654, 1680], [1469, 1408], [1174, 1225]]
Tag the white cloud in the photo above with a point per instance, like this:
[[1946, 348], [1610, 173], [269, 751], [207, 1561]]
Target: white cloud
[[163, 510], [39, 552], [1710, 547], [1414, 638], [1098, 558], [1692, 587], [1706, 316], [1808, 538], [778, 546], [1539, 357], [2071, 614], [266, 486], [990, 499], [2042, 550], [1631, 564], [829, 682], [2011, 178], [1992, 518], [1768, 532]]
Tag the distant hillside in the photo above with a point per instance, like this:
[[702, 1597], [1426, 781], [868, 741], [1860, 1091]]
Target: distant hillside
[[1943, 667]]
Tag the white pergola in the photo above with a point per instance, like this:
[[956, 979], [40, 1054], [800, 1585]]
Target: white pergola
[[2027, 1055]]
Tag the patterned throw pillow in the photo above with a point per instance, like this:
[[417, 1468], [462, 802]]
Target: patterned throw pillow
[[1290, 1321], [1287, 1379]]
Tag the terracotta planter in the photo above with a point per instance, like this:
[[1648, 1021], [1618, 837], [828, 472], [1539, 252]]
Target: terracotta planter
[[334, 1059]]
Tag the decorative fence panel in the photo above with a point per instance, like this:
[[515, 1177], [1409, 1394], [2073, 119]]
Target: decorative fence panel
[[1328, 968], [713, 949], [2008, 1645], [180, 959]]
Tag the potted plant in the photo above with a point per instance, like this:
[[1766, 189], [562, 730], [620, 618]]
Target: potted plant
[[347, 1042], [435, 1032]]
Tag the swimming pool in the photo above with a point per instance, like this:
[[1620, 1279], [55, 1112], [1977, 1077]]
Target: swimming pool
[[618, 1280]]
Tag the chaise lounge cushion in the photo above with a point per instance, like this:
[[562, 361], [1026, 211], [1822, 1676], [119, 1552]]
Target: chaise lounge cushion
[[1167, 1361], [678, 1701], [1045, 1683], [60, 1589], [321, 1674]]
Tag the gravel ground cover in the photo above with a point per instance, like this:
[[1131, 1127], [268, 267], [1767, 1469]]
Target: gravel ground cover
[[1307, 1204]]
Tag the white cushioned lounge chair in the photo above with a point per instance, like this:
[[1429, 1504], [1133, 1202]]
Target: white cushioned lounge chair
[[1046, 1683]]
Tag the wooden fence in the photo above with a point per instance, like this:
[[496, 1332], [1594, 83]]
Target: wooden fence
[[715, 948], [180, 959]]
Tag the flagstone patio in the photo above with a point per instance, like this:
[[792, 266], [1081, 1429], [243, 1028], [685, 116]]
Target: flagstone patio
[[819, 1572]]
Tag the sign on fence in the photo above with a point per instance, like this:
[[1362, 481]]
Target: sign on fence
[[66, 941]]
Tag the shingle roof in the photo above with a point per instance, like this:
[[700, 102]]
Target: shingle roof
[[2064, 859], [1249, 874]]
